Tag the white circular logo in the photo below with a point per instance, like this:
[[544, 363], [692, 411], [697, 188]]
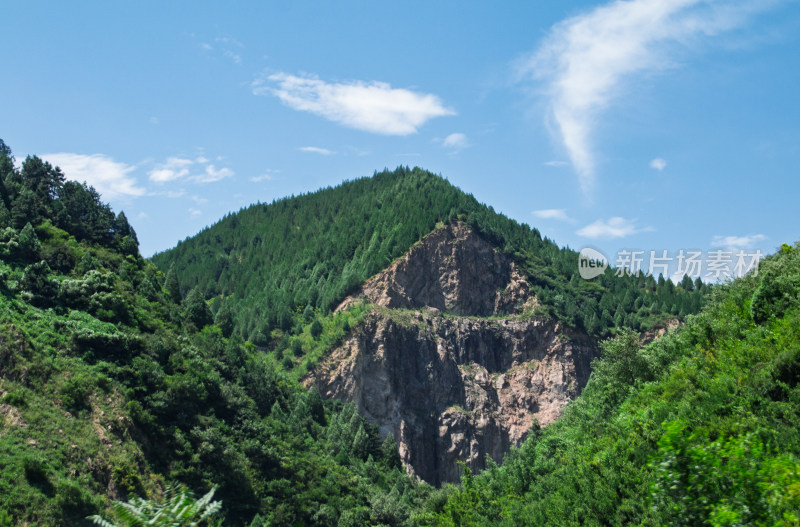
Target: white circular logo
[[591, 263]]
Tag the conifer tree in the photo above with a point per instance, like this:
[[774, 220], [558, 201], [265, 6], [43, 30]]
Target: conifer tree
[[29, 246], [224, 319], [172, 286], [195, 309]]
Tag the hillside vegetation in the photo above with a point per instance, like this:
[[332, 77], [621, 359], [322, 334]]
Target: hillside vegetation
[[268, 262], [119, 381], [698, 428], [110, 389]]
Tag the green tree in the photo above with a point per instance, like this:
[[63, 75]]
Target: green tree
[[179, 508], [224, 319], [389, 452], [361, 443], [172, 286], [29, 246], [316, 328], [80, 212], [622, 360], [195, 308]]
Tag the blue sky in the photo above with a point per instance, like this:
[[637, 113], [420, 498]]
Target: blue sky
[[645, 124]]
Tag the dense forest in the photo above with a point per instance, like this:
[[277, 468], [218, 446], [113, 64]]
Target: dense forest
[[110, 388], [698, 428], [122, 385], [306, 253]]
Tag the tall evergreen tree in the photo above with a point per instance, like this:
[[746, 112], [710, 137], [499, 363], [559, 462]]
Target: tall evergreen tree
[[172, 285], [195, 308]]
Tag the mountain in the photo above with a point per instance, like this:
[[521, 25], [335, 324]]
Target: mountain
[[309, 252], [452, 359], [120, 379]]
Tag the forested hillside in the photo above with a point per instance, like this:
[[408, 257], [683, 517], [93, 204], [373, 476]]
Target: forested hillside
[[118, 379], [305, 253], [110, 389], [698, 428]]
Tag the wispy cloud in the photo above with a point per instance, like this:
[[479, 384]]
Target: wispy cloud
[[556, 164], [586, 60], [553, 214], [213, 174], [616, 227], [316, 150], [110, 178], [370, 106], [226, 45], [737, 242], [658, 164], [195, 212], [175, 168], [456, 141], [268, 176]]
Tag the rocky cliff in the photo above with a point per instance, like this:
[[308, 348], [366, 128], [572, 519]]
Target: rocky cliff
[[451, 359]]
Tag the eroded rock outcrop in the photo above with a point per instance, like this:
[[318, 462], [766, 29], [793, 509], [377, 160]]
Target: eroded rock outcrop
[[451, 360], [453, 270]]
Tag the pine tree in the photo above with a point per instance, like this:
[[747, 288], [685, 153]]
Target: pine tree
[[29, 246], [195, 308], [224, 320], [360, 448], [389, 452], [172, 286], [316, 328]]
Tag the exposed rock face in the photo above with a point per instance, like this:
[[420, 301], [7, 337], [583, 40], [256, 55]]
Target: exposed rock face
[[455, 386], [453, 270]]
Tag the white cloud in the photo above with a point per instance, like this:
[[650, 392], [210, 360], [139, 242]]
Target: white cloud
[[195, 212], [316, 150], [154, 120], [172, 194], [235, 57], [269, 175], [742, 242], [229, 40], [615, 227], [174, 168], [456, 141], [553, 214], [585, 60], [556, 163], [658, 164], [370, 106], [212, 174], [226, 45], [110, 178]]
